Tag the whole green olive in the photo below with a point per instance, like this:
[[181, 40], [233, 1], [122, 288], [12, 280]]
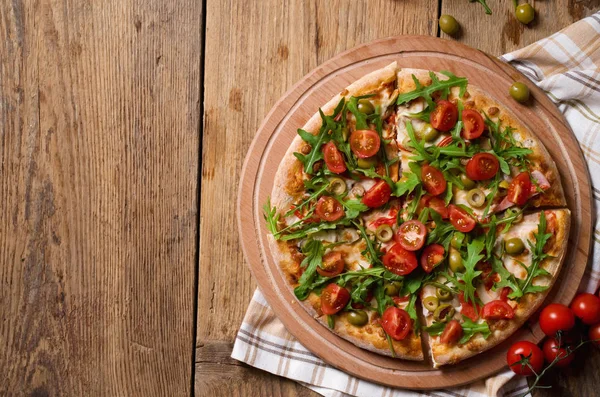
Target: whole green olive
[[525, 13], [365, 106], [392, 289], [428, 133], [431, 303], [367, 163], [476, 198], [455, 260], [519, 92], [443, 313], [443, 294], [514, 246], [337, 185], [358, 317], [448, 24], [384, 233], [467, 182], [457, 240]]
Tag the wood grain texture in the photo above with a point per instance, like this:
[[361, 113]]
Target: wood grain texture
[[501, 32], [255, 51], [99, 147]]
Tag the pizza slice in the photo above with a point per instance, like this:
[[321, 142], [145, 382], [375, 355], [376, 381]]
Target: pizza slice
[[496, 283]]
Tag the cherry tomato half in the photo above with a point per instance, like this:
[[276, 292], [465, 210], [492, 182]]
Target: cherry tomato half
[[432, 256], [594, 334], [364, 143], [519, 189], [587, 308], [399, 261], [434, 203], [474, 124], [411, 235], [452, 333], [333, 264], [334, 298], [467, 309], [378, 195], [301, 213], [556, 317], [433, 180], [333, 158], [444, 116], [329, 209], [497, 310], [396, 323], [482, 166], [552, 349], [460, 219], [520, 351]]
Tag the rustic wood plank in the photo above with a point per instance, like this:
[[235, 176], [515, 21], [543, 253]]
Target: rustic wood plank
[[501, 32], [255, 51], [99, 162]]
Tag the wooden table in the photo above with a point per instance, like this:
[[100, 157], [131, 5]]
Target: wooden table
[[123, 128]]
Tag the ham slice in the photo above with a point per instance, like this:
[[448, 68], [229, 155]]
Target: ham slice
[[540, 180]]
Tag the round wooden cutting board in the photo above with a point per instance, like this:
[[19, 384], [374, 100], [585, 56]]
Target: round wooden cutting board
[[314, 90]]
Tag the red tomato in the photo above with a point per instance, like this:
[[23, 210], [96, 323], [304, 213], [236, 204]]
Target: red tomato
[[390, 220], [439, 206], [433, 180], [474, 124], [445, 142], [452, 333], [378, 195], [333, 264], [334, 298], [467, 309], [329, 209], [460, 219], [556, 317], [396, 323], [444, 116], [519, 189], [552, 349], [504, 294], [364, 143], [594, 334], [301, 213], [399, 261], [497, 310], [411, 235], [482, 166], [432, 256], [333, 158], [525, 350], [587, 308]]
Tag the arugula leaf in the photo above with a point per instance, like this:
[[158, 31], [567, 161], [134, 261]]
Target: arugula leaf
[[456, 137], [353, 207], [315, 154], [537, 249], [361, 118], [474, 249], [412, 206], [307, 201], [507, 279], [419, 146], [492, 194], [435, 329], [424, 114], [381, 304], [443, 86], [488, 11], [471, 328], [312, 228], [331, 322], [313, 249], [272, 217], [407, 186], [442, 233], [371, 252], [412, 312]]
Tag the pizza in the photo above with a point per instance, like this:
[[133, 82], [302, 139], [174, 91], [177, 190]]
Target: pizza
[[415, 216]]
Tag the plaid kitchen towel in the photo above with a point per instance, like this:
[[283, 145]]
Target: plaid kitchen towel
[[566, 66]]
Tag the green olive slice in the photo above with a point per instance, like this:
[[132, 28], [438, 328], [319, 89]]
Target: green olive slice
[[431, 303], [337, 186], [384, 233], [514, 246], [358, 318], [444, 312], [476, 198], [443, 295]]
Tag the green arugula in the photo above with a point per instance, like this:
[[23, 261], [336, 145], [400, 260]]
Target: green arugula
[[361, 118], [424, 114], [474, 255], [412, 206], [353, 208], [456, 137], [380, 297], [437, 85], [471, 328], [435, 329], [272, 217], [371, 251], [406, 186], [488, 11], [313, 249], [442, 233], [507, 279], [537, 250]]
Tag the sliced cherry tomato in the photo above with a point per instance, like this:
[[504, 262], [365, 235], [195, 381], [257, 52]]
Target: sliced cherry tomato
[[434, 203], [519, 189], [474, 124], [467, 309], [411, 235], [334, 298], [329, 209], [445, 142], [444, 116], [301, 213], [333, 158], [433, 180], [556, 317], [364, 143], [460, 219], [333, 264], [587, 308], [358, 305], [594, 334], [452, 333], [378, 195], [432, 256], [497, 310], [552, 349], [482, 166], [399, 261], [521, 351], [396, 323]]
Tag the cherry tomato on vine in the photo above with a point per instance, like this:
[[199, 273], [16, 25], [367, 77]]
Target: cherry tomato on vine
[[521, 353], [594, 334], [553, 349], [556, 317], [587, 308]]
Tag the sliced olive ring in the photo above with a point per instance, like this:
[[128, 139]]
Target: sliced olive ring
[[514, 246], [444, 313], [431, 303], [443, 294], [337, 186], [384, 233], [393, 288], [476, 198], [358, 318]]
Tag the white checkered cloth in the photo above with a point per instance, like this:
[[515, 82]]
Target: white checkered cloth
[[566, 66]]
